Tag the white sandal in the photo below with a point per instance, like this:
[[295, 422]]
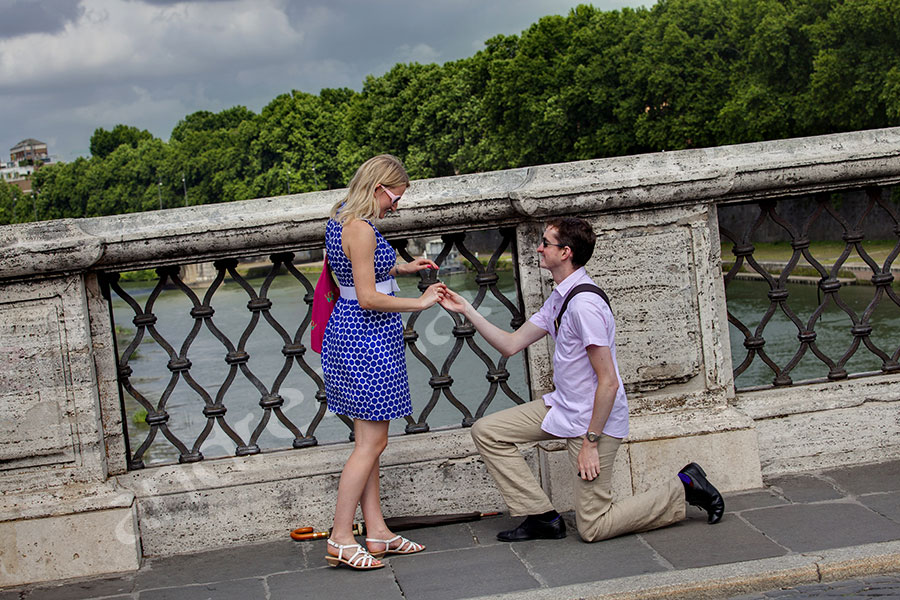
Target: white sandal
[[361, 560], [406, 546]]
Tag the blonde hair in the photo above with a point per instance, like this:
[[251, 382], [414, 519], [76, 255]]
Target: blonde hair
[[360, 202]]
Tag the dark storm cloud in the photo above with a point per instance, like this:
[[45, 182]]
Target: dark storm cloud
[[21, 17], [356, 31]]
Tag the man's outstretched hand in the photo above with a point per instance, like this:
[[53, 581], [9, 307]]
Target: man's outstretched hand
[[454, 302]]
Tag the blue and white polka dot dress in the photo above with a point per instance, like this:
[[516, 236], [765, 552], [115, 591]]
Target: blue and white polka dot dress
[[363, 357]]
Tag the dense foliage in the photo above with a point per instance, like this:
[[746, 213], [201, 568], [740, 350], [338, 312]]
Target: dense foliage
[[683, 74]]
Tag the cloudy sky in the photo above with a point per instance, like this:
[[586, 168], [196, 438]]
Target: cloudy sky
[[68, 67]]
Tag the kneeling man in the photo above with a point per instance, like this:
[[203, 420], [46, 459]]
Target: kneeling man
[[588, 409]]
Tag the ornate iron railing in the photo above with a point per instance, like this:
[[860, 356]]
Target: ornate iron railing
[[150, 422], [853, 212]]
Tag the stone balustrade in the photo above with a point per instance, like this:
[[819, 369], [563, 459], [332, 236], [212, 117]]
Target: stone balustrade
[[70, 507]]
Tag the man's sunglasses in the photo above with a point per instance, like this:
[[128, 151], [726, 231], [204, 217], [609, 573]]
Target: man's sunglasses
[[546, 242]]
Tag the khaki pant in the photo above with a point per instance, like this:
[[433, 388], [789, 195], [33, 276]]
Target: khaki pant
[[597, 516]]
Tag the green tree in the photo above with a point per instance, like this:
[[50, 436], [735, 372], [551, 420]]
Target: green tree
[[769, 85], [524, 114], [599, 101], [298, 141], [446, 130], [856, 68], [380, 118], [205, 121], [12, 205], [680, 79], [207, 159], [104, 142], [64, 190]]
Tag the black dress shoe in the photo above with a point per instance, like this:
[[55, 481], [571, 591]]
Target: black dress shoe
[[700, 492], [533, 528]]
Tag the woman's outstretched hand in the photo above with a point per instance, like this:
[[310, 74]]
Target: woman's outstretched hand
[[453, 301], [415, 266]]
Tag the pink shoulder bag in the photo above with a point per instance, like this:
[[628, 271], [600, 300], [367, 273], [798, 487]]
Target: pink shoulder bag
[[325, 296]]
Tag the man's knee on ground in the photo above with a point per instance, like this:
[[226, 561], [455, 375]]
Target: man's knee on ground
[[591, 531], [590, 535], [584, 532]]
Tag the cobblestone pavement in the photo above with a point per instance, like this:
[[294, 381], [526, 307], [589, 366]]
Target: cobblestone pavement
[[885, 586]]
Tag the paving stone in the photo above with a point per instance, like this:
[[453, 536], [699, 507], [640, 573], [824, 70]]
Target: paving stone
[[883, 579], [256, 560], [568, 561], [695, 543], [844, 587], [329, 582], [789, 593], [750, 500], [865, 479], [805, 527], [458, 574], [445, 537], [117, 597], [84, 590], [238, 589], [887, 505], [308, 552], [805, 488], [883, 586], [486, 530]]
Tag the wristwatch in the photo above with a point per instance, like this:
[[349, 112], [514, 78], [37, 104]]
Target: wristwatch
[[592, 437]]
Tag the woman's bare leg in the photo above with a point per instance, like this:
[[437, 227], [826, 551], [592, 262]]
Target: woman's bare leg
[[359, 470], [376, 528]]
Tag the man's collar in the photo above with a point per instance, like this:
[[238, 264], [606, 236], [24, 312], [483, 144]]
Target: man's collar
[[569, 282]]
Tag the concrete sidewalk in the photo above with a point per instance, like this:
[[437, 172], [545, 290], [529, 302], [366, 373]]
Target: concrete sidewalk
[[827, 525]]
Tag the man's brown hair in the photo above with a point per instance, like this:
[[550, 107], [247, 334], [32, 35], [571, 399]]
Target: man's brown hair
[[578, 235]]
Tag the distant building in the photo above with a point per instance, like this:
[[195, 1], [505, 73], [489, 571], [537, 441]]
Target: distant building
[[24, 158], [12, 173], [29, 150], [451, 263], [22, 184]]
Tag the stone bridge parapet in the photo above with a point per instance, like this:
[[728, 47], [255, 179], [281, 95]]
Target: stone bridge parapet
[[71, 507]]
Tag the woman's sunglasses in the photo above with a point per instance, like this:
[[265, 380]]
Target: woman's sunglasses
[[394, 197]]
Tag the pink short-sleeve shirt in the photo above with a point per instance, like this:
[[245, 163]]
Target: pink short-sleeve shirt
[[588, 322]]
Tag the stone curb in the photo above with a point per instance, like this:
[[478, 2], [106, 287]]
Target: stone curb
[[735, 579]]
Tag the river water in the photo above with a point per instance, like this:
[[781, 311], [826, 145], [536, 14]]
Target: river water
[[746, 300]]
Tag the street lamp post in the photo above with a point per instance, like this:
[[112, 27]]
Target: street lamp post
[[184, 186]]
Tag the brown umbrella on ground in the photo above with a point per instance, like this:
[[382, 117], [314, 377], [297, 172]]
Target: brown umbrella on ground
[[398, 524]]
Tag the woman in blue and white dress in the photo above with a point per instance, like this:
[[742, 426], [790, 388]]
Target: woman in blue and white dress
[[363, 356]]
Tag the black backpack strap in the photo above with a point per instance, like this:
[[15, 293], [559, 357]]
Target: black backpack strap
[[584, 287]]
